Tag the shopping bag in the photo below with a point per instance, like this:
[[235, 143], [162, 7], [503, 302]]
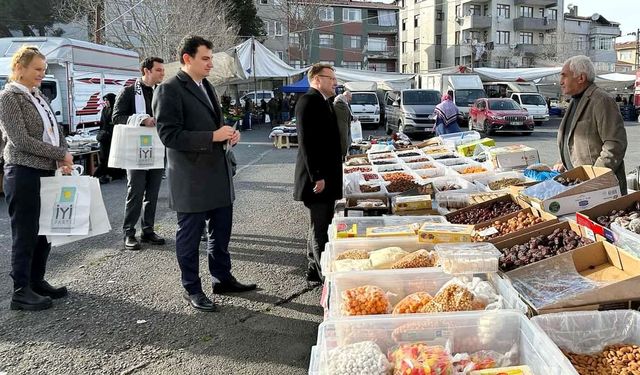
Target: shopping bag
[[356, 131], [267, 119], [136, 147], [98, 218], [65, 202]]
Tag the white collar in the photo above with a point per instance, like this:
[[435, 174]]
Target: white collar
[[22, 87]]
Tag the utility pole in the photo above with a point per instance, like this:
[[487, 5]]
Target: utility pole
[[637, 49]]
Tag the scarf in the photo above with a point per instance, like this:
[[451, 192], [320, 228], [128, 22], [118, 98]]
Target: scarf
[[447, 111], [50, 134], [141, 105]]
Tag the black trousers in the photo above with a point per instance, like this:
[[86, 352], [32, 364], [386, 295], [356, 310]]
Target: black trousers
[[190, 226], [320, 214], [29, 252], [143, 187], [103, 168]]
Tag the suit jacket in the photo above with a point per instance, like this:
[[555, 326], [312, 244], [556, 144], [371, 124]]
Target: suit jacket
[[343, 114], [199, 170], [125, 104], [596, 134], [319, 154]]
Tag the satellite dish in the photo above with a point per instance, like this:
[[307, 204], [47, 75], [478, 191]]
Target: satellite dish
[[595, 17]]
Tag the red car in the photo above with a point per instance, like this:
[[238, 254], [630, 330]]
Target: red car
[[490, 115]]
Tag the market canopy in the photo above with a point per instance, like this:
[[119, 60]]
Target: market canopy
[[515, 74], [385, 80], [300, 86], [267, 63]]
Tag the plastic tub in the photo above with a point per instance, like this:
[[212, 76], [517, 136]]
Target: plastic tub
[[456, 139], [626, 239], [487, 173], [351, 228], [500, 331], [438, 150], [457, 161], [392, 168], [407, 154], [590, 332], [487, 180], [468, 258], [314, 361]]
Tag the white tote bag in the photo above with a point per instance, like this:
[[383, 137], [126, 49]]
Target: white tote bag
[[136, 147], [98, 218], [356, 131], [65, 202]]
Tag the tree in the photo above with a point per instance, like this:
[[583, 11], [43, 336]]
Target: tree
[[31, 17], [303, 18], [245, 15]]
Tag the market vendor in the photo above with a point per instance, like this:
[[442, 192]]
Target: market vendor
[[592, 131]]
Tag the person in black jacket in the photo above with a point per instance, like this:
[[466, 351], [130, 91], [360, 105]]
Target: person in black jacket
[[318, 174], [104, 138], [143, 186]]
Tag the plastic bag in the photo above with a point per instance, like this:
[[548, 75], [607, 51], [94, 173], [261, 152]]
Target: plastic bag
[[412, 303], [356, 131], [385, 258], [364, 300], [453, 296], [420, 359], [360, 358], [417, 259], [353, 254], [345, 265]]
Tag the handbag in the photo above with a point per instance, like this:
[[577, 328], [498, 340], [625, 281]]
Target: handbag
[[65, 204], [136, 147]]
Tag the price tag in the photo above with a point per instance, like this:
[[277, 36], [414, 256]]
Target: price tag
[[488, 232]]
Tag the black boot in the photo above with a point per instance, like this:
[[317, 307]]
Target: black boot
[[43, 288], [26, 299]]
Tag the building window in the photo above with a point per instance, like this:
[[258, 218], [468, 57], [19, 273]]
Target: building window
[[377, 44], [541, 38], [404, 47], [526, 12], [504, 10], [280, 55], [264, 2], [473, 35], [372, 17], [504, 37], [127, 20], [526, 37], [416, 67], [439, 40], [456, 61], [404, 68], [475, 10], [416, 19], [352, 64], [527, 62], [277, 27], [326, 13], [553, 14], [404, 24], [353, 41], [416, 44], [579, 43], [458, 11], [326, 40], [457, 41], [296, 64], [294, 38], [267, 28], [486, 10], [504, 62], [605, 44], [541, 11], [387, 18], [353, 15], [439, 16], [438, 64], [378, 67]]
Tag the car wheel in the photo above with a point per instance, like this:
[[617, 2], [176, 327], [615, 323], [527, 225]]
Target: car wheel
[[486, 129], [527, 133], [387, 128], [539, 123]]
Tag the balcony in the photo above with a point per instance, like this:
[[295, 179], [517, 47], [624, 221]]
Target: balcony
[[613, 31], [475, 22], [534, 24], [528, 49], [391, 52], [542, 3], [475, 1]]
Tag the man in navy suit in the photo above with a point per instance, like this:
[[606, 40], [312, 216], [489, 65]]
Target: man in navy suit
[[318, 175], [199, 170]]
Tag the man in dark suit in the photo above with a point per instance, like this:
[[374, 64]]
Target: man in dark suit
[[199, 170], [318, 175]]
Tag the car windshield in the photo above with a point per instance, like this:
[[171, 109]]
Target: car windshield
[[360, 98], [420, 98], [503, 105], [3, 80], [532, 100], [466, 98]]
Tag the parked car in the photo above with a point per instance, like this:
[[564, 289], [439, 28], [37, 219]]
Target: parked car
[[411, 111], [534, 103], [365, 106], [263, 94], [500, 115]]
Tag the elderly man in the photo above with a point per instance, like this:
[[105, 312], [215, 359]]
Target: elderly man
[[344, 116], [592, 131]]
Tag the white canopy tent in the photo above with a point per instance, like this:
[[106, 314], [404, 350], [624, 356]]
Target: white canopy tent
[[267, 64], [515, 74], [384, 80]]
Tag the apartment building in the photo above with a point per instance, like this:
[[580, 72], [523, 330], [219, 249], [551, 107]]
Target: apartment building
[[627, 56], [593, 36]]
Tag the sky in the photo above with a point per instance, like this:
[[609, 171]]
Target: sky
[[624, 12]]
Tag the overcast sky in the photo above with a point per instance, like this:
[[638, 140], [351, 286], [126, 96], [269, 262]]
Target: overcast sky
[[624, 12]]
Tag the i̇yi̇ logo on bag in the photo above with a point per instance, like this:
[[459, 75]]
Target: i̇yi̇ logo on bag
[[63, 218], [145, 150]]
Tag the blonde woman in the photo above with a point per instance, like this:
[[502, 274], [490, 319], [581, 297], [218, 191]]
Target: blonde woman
[[35, 147]]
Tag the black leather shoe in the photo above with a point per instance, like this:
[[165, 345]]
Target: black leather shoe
[[43, 288], [26, 299], [131, 243], [200, 301], [313, 276], [153, 239], [232, 286]]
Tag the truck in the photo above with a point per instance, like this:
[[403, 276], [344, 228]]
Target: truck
[[365, 102], [466, 87], [411, 111], [78, 75]]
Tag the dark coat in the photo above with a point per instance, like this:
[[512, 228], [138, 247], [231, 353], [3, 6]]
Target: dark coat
[[319, 155], [199, 171], [125, 104]]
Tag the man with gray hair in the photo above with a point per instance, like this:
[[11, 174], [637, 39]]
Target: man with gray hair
[[592, 131], [344, 117]]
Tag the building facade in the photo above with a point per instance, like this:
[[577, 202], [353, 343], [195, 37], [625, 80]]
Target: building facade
[[592, 36], [627, 57]]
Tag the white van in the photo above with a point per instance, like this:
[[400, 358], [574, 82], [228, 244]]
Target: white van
[[534, 103], [257, 96], [366, 107]]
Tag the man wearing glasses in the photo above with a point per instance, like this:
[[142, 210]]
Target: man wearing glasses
[[318, 175]]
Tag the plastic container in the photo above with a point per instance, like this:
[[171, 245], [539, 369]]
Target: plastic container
[[442, 183], [392, 168], [487, 173], [399, 283], [416, 159], [626, 239], [351, 228], [505, 332], [356, 169], [314, 361], [444, 156], [438, 150], [409, 153], [487, 180], [457, 161], [468, 257], [456, 139], [588, 332], [353, 182]]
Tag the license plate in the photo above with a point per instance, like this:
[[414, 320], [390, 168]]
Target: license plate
[[516, 123]]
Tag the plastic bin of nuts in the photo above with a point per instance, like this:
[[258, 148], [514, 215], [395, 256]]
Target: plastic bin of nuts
[[468, 257], [508, 334], [596, 342]]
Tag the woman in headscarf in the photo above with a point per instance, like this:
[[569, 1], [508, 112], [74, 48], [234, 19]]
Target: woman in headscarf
[[446, 116]]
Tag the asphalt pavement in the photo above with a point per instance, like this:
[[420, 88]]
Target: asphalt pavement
[[125, 313]]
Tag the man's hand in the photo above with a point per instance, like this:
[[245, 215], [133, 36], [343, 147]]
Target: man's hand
[[150, 122], [319, 187], [225, 133], [235, 138], [560, 168]]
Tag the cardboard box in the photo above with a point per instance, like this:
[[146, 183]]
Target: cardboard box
[[506, 197], [587, 218], [514, 157], [548, 220], [468, 148], [411, 203], [433, 233], [616, 272], [600, 185]]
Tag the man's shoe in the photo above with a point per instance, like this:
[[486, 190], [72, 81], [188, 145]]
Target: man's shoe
[[313, 276], [232, 286], [152, 238], [43, 288], [200, 301], [131, 243], [26, 299]]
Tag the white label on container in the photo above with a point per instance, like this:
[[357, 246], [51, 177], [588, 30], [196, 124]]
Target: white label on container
[[488, 232]]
